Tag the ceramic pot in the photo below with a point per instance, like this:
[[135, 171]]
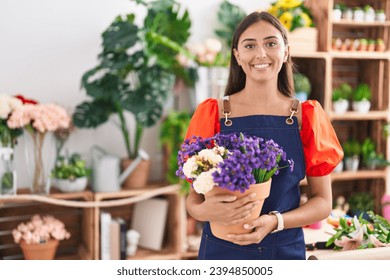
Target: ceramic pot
[[340, 106], [361, 106], [77, 185], [262, 191], [43, 251]]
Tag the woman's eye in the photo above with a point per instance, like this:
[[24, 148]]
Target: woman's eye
[[249, 46], [271, 44]]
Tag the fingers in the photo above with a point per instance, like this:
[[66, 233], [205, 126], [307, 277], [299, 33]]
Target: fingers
[[245, 200], [245, 239]]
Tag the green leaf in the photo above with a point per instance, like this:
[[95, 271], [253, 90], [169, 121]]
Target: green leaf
[[120, 35], [91, 114]]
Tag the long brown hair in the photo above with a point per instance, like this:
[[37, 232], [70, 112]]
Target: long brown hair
[[237, 77]]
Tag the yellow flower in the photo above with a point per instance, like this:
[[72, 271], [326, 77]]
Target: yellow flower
[[289, 4], [273, 10], [306, 20], [286, 19]]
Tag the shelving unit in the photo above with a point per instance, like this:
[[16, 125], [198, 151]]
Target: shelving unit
[[353, 67]]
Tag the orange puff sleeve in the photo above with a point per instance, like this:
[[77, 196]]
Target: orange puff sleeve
[[205, 120], [321, 146]]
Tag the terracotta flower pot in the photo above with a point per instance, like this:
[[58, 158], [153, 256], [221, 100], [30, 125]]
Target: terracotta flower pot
[[262, 190], [139, 177], [44, 251]]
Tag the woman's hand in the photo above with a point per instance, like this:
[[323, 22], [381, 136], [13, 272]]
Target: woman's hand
[[263, 225], [226, 209]]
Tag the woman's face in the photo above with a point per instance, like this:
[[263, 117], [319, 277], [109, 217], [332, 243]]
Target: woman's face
[[261, 52]]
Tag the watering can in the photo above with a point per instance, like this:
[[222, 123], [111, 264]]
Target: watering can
[[106, 174]]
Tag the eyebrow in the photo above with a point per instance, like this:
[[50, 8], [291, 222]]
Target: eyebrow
[[266, 38]]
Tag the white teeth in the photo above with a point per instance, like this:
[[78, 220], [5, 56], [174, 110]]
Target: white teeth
[[260, 66]]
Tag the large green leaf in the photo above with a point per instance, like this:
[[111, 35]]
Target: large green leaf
[[120, 35], [229, 15], [92, 114]]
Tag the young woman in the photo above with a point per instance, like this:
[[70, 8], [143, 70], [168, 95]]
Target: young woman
[[259, 100]]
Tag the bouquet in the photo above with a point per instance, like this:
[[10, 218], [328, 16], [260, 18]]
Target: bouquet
[[229, 161], [291, 13], [358, 233], [40, 230]]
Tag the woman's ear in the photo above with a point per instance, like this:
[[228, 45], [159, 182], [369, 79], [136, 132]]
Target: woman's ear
[[235, 52], [286, 53]]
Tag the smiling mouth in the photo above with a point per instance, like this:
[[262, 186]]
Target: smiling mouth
[[261, 66]]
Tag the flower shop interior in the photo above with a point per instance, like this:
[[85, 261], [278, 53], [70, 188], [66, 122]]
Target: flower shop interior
[[111, 87]]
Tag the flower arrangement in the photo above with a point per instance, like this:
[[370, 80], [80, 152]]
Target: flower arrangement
[[40, 229], [38, 119], [7, 105], [229, 161], [358, 233], [292, 13]]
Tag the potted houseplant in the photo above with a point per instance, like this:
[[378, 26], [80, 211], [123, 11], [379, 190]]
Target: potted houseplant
[[172, 133], [70, 174], [340, 98], [136, 72], [352, 152], [380, 15], [302, 86], [371, 159], [360, 203], [369, 13], [39, 237], [361, 98], [220, 165], [380, 45]]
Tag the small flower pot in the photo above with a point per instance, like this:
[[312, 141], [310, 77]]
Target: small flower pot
[[361, 106], [262, 190], [76, 185], [336, 15], [380, 17], [358, 15], [340, 106], [43, 251], [352, 163]]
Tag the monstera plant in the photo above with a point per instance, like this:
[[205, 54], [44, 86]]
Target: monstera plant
[[136, 70]]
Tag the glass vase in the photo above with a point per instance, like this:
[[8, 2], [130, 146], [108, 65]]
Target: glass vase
[[40, 156]]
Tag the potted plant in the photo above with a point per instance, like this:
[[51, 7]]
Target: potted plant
[[358, 14], [39, 237], [340, 98], [338, 11], [70, 174], [352, 152], [360, 203], [362, 44], [380, 15], [302, 86], [380, 45], [361, 98], [371, 159], [371, 45], [135, 74], [172, 133], [369, 13]]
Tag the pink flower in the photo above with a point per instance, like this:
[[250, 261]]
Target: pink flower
[[40, 229], [42, 117], [356, 237], [376, 242]]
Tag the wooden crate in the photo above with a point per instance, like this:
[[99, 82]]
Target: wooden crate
[[78, 221]]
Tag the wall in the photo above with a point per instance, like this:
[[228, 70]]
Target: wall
[[46, 46]]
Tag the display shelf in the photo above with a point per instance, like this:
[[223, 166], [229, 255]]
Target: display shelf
[[78, 221], [353, 23], [354, 116], [120, 204]]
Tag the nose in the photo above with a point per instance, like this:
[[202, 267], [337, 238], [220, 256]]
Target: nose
[[261, 53]]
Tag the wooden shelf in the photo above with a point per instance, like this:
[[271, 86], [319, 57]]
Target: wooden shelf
[[165, 254], [360, 24], [359, 175], [359, 55], [323, 55], [355, 116]]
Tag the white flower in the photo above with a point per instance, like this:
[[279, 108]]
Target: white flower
[[204, 182], [213, 45], [210, 156], [189, 167], [8, 104]]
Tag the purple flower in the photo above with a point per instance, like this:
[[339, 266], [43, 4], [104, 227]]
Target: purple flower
[[248, 160]]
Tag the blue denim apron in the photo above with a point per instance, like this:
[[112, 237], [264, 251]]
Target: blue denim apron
[[287, 244]]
